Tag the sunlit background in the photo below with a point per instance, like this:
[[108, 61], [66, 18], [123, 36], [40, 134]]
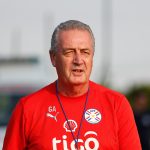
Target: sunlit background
[[122, 33]]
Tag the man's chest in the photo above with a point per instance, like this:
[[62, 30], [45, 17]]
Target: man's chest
[[93, 128]]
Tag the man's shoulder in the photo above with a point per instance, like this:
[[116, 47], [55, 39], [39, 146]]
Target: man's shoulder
[[105, 90], [109, 96], [39, 95]]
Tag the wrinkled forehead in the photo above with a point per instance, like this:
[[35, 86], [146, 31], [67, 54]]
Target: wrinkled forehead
[[74, 30], [75, 34]]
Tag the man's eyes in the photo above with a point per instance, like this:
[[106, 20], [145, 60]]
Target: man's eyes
[[68, 52], [85, 52], [82, 51]]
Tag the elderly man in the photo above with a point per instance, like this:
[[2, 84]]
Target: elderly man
[[72, 112]]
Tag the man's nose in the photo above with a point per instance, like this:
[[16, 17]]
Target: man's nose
[[77, 59]]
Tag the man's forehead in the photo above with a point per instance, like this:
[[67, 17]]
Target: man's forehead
[[73, 30], [75, 37]]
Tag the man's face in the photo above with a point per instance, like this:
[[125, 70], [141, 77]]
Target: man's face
[[74, 58]]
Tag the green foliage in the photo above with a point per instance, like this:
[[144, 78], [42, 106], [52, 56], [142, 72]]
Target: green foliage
[[136, 89]]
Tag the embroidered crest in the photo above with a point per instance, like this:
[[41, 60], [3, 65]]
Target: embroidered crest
[[93, 116]]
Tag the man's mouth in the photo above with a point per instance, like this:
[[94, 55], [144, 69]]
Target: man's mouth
[[77, 70]]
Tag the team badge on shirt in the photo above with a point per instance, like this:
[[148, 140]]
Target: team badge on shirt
[[92, 116], [72, 124]]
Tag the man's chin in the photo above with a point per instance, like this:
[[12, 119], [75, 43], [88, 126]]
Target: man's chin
[[78, 82]]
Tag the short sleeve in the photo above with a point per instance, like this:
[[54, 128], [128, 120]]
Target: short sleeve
[[127, 132], [15, 133]]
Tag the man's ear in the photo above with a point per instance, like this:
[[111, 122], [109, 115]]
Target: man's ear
[[52, 57]]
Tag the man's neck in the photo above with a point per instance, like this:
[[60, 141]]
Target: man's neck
[[72, 90]]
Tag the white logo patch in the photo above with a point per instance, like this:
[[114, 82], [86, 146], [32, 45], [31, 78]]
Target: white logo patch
[[52, 116], [93, 116], [73, 125], [52, 112]]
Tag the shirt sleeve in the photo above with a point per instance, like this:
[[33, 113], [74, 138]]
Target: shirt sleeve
[[15, 133], [127, 133]]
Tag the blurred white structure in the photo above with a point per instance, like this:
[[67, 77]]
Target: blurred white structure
[[121, 30]]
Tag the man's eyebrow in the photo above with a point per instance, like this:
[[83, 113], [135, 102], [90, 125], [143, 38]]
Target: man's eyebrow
[[74, 49], [65, 49], [85, 49]]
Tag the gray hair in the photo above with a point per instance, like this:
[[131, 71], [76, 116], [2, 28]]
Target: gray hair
[[69, 25]]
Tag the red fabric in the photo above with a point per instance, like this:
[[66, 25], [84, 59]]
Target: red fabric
[[33, 125]]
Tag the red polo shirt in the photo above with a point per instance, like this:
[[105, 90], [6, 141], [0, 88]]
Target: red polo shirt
[[38, 123]]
